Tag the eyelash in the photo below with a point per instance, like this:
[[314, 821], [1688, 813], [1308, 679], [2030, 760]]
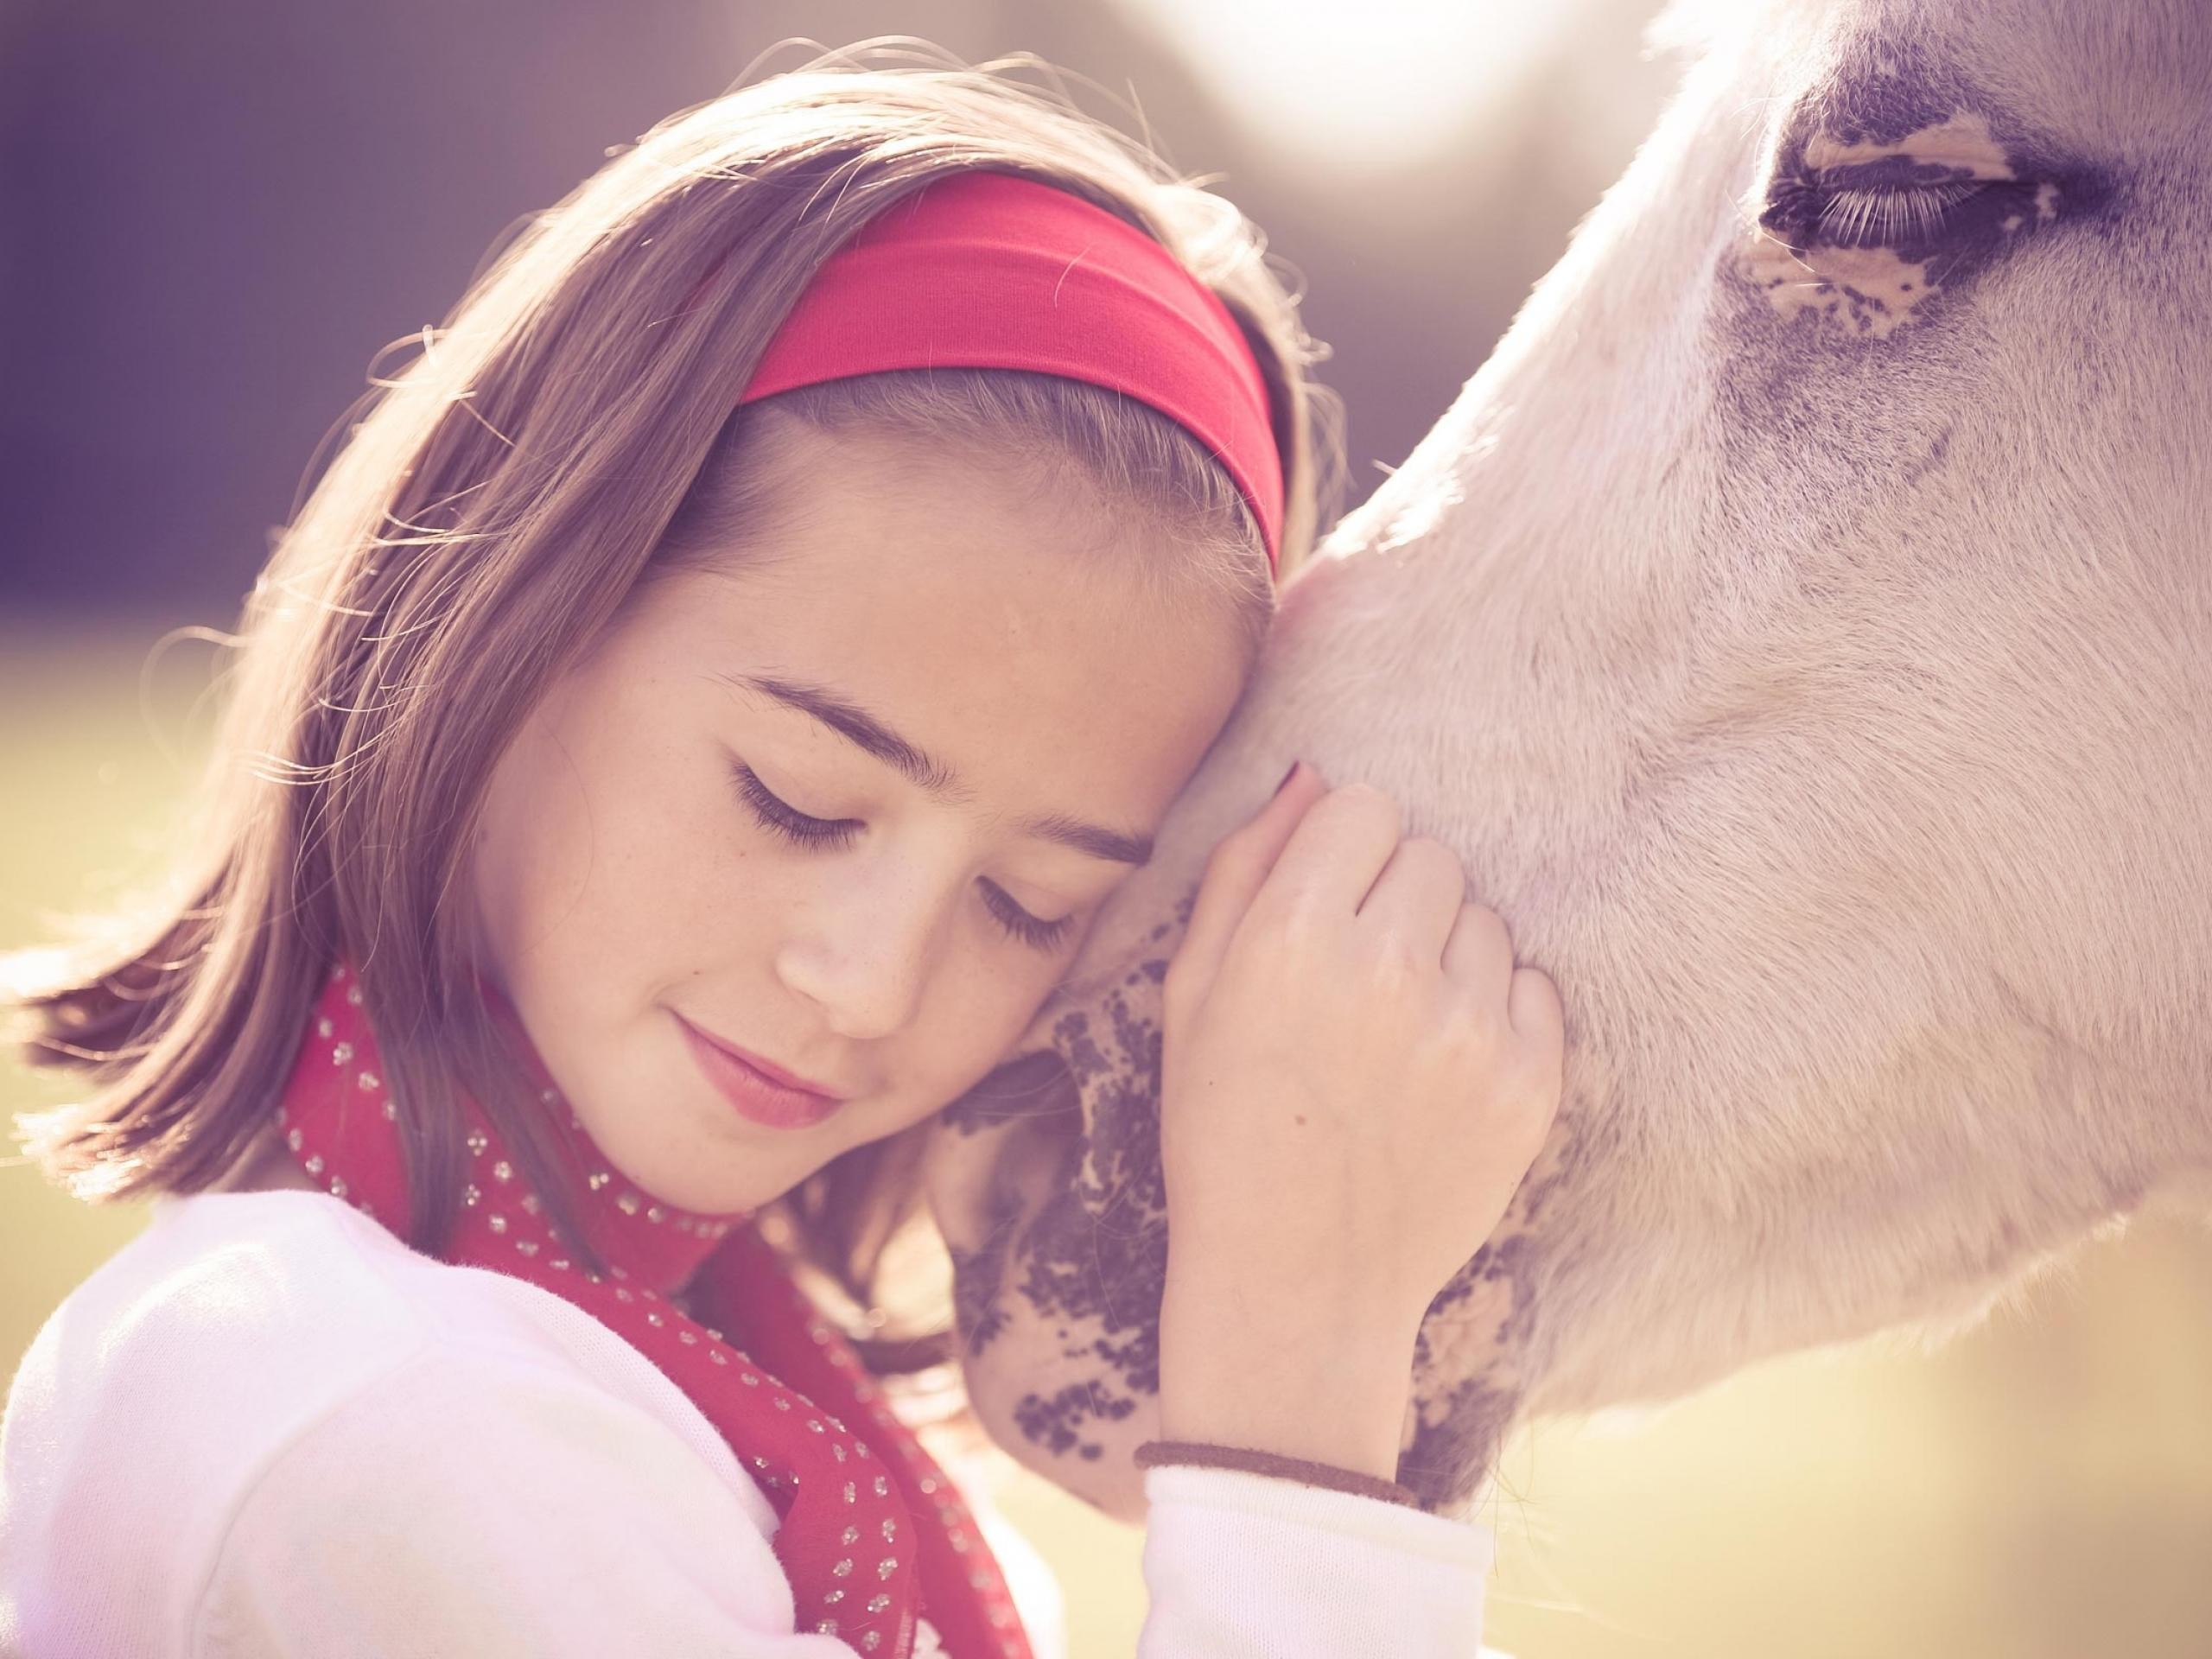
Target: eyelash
[[1855, 216], [1871, 215], [833, 835]]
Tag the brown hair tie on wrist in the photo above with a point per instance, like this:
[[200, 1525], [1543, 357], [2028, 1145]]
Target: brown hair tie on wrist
[[1202, 1455]]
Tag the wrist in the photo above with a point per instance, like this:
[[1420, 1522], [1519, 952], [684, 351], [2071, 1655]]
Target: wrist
[[1321, 1382], [1332, 1477], [1204, 1314]]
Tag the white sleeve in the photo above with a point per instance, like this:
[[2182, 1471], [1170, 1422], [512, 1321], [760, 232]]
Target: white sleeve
[[484, 1504], [1252, 1567]]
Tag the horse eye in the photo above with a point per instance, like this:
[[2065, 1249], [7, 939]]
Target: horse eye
[[1882, 216], [1817, 212]]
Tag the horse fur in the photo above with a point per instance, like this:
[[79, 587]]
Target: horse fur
[[1804, 634]]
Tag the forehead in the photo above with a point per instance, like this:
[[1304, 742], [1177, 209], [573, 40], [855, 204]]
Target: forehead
[[913, 547], [2080, 73], [985, 610]]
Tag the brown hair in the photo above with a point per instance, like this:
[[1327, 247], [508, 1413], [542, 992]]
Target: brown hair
[[568, 434]]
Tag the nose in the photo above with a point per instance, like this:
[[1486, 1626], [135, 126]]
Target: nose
[[864, 946]]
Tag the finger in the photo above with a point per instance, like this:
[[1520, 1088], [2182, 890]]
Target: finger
[[1416, 899], [1533, 1005], [1234, 874], [1336, 852], [1478, 957]]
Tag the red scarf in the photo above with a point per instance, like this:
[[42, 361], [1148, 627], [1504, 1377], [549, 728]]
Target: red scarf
[[872, 1536]]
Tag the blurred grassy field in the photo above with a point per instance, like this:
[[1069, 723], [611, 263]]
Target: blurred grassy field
[[2041, 1488]]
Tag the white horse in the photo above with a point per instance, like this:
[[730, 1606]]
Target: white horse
[[1802, 628]]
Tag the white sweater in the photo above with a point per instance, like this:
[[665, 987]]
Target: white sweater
[[266, 1427]]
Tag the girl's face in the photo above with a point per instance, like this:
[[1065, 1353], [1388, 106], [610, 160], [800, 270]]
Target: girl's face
[[807, 807]]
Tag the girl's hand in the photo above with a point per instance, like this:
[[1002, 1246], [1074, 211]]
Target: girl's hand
[[1354, 1079]]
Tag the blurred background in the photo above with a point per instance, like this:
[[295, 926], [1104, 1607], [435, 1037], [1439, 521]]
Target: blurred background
[[213, 216]]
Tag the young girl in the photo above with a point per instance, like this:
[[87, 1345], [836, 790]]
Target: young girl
[[674, 752]]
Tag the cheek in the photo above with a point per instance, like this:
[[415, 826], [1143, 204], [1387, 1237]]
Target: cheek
[[977, 1009], [592, 858]]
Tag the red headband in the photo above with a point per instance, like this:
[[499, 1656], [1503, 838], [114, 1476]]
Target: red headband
[[985, 271]]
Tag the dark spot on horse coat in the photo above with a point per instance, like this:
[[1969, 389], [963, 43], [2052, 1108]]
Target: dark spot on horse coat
[[1892, 186], [1090, 1266], [1933, 461], [1093, 1259]]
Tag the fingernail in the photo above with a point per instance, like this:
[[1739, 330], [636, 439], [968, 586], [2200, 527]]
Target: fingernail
[[1286, 777]]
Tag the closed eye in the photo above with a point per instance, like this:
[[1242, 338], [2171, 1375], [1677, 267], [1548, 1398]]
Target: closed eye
[[1904, 215], [835, 833], [1860, 216]]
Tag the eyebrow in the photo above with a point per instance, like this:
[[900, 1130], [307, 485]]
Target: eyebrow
[[867, 732]]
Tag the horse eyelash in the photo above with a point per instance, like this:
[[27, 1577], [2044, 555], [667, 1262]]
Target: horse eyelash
[[796, 827], [1857, 216]]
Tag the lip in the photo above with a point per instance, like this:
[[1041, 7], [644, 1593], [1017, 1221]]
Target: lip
[[761, 1091]]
